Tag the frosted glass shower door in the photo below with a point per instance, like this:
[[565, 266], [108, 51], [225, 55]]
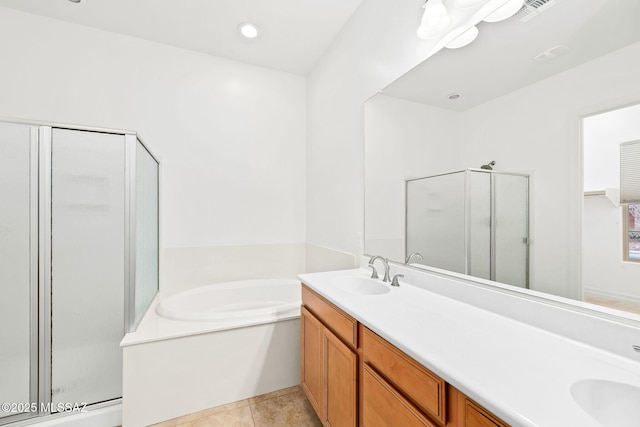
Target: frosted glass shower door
[[479, 224], [511, 229], [436, 220], [146, 224], [87, 265], [18, 265]]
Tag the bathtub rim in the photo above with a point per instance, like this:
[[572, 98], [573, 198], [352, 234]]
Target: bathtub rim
[[153, 327], [277, 311]]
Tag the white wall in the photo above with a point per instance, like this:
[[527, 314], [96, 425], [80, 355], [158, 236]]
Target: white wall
[[377, 45], [400, 139], [537, 128], [533, 130], [603, 271], [230, 136], [602, 135]]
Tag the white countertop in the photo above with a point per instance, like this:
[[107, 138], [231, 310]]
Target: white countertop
[[521, 373]]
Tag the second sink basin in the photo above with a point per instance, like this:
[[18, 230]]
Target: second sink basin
[[361, 285], [611, 403]]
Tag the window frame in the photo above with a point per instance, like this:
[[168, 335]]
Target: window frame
[[625, 234]]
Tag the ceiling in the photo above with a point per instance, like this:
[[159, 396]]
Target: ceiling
[[501, 59], [294, 34]]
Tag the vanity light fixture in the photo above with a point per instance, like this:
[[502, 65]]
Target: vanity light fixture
[[505, 11], [468, 3], [437, 23], [435, 20], [248, 30], [463, 39]]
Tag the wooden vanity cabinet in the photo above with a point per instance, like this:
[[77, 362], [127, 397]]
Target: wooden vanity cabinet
[[421, 386], [474, 415], [352, 376], [312, 360], [383, 405], [328, 360]]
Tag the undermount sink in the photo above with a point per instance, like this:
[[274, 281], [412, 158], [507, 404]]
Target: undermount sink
[[610, 403], [361, 285]]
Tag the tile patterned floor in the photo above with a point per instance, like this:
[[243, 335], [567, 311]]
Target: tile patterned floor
[[618, 304], [283, 408]]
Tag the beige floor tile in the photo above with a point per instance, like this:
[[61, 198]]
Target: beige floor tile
[[610, 302], [290, 410], [273, 394], [238, 417], [212, 411]]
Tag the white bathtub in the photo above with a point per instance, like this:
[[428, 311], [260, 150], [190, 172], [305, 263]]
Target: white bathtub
[[249, 299], [233, 341]]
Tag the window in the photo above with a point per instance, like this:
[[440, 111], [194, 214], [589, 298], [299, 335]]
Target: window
[[632, 233]]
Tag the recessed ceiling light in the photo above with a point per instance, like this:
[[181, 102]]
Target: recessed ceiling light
[[250, 31], [453, 96], [75, 1], [551, 54]]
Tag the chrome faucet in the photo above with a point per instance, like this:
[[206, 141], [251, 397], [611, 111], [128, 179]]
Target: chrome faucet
[[374, 272], [413, 255], [385, 263], [395, 282]]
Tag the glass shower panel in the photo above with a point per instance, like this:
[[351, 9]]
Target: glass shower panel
[[87, 268], [436, 220], [479, 249], [18, 264], [146, 223], [511, 246]]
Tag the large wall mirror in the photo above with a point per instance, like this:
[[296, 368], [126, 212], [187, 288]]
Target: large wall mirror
[[543, 95]]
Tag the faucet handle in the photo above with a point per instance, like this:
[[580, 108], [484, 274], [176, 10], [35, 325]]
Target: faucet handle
[[394, 282], [374, 272]]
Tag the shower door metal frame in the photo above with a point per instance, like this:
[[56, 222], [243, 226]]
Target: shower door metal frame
[[44, 214], [34, 272], [129, 229], [131, 142], [34, 249], [467, 214], [40, 280], [492, 216]]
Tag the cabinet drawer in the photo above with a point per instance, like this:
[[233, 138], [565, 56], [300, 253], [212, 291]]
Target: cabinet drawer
[[383, 406], [477, 416], [420, 385], [339, 322]]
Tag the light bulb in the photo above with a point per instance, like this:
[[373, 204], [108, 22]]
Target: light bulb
[[469, 3], [250, 31], [463, 39], [435, 19], [505, 11]]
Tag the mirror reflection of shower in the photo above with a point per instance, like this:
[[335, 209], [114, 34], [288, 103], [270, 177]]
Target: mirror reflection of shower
[[473, 221], [489, 166]]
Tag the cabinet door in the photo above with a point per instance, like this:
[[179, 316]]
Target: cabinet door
[[311, 360], [476, 416], [383, 406], [340, 382]]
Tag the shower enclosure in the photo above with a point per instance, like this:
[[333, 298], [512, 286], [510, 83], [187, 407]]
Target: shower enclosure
[[472, 221], [78, 263]]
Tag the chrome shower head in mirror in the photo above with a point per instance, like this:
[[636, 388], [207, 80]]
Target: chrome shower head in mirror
[[488, 165]]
